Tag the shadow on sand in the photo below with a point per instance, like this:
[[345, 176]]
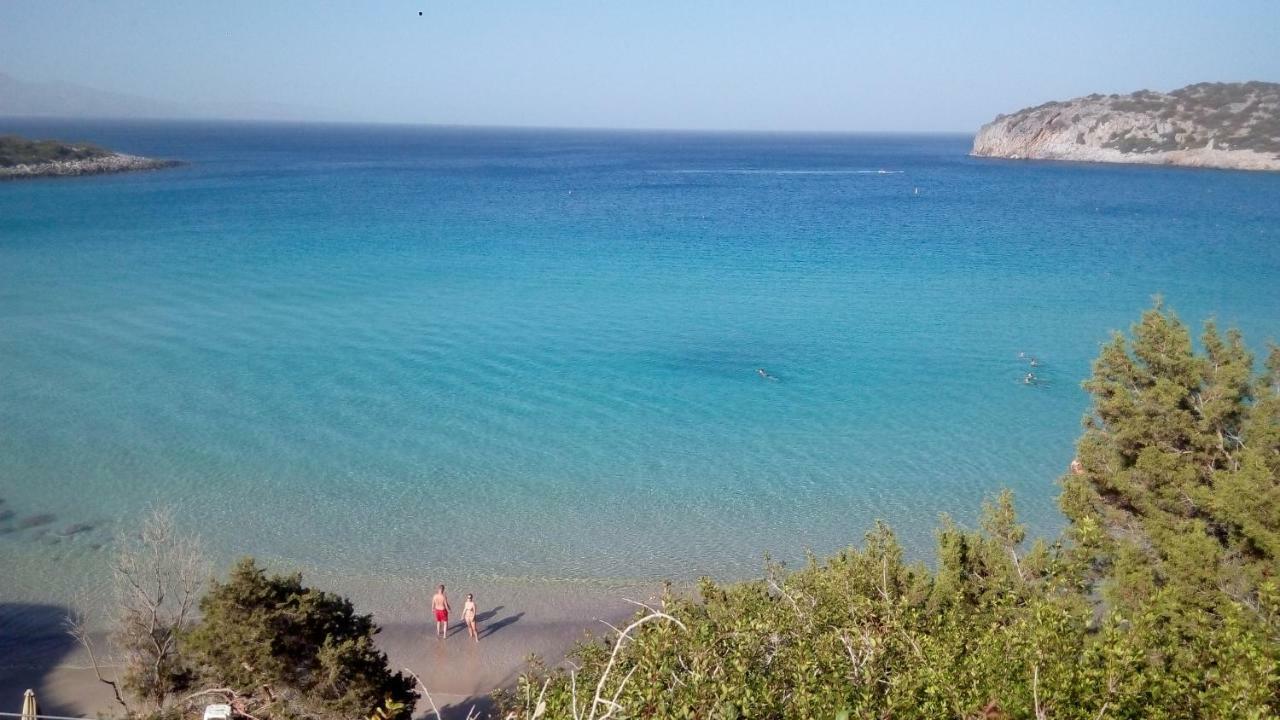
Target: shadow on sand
[[484, 625], [33, 642], [490, 628], [488, 615], [482, 704]]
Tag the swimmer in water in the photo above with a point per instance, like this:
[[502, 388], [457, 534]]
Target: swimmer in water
[[764, 374], [1030, 379]]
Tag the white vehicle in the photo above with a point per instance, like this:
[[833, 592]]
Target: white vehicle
[[221, 711]]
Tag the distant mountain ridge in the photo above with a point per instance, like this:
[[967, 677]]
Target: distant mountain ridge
[[1221, 125], [58, 99], [18, 98]]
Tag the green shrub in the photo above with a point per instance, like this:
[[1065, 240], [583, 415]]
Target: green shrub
[[292, 651]]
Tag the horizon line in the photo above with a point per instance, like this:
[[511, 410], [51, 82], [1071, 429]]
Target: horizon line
[[478, 126]]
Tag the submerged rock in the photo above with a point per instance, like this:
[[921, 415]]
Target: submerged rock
[[75, 529], [36, 520]]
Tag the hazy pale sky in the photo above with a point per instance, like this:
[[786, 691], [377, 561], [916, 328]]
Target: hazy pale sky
[[730, 64]]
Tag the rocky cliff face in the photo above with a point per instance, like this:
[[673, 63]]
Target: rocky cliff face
[[1221, 125]]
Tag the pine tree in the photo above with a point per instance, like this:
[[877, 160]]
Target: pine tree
[[292, 651]]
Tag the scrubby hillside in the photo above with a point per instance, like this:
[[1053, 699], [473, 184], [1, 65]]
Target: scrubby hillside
[[1224, 125], [20, 151]]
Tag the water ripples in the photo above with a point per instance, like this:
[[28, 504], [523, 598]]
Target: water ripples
[[398, 369]]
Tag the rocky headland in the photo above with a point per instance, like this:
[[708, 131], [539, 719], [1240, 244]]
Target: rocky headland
[[21, 158], [1212, 125]]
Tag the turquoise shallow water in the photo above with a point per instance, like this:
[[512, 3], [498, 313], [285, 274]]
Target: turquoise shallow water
[[409, 353]]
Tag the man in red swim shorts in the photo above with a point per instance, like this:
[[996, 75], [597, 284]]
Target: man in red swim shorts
[[440, 604]]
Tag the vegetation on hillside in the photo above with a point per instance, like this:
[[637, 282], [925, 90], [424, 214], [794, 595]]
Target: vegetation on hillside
[[1240, 116], [1160, 601], [1200, 117], [1233, 116], [15, 150]]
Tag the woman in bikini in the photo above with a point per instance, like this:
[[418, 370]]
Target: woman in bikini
[[469, 617]]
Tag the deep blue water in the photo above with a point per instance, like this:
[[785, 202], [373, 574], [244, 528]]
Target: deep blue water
[[425, 352]]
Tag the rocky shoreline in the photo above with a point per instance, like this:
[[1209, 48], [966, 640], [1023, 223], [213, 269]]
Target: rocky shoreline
[[112, 163], [1233, 126], [999, 147]]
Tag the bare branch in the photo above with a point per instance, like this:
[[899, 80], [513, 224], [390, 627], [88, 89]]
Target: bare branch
[[613, 657], [425, 692], [1035, 691], [77, 627], [158, 573]]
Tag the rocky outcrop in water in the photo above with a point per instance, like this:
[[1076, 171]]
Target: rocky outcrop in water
[[111, 163], [1217, 125]]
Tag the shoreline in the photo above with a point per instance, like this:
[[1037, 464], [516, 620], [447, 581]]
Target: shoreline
[[515, 621], [1243, 160], [105, 165]]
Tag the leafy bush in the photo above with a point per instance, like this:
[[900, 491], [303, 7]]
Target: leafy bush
[[289, 651]]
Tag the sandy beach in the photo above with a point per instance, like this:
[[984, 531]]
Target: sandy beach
[[516, 620]]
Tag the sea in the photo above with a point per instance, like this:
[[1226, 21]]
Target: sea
[[390, 355]]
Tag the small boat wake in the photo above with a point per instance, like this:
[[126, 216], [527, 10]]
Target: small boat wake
[[751, 171]]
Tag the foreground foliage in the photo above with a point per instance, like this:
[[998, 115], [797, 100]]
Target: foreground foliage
[[1160, 601], [284, 650], [267, 645]]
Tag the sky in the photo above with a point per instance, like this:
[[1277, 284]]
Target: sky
[[844, 65]]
